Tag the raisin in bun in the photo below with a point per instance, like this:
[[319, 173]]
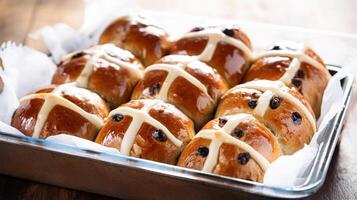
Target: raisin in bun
[[105, 69], [281, 109], [238, 146], [297, 66], [189, 84], [136, 34], [63, 109], [149, 129], [227, 49]]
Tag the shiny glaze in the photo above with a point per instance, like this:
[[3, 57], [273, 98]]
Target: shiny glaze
[[255, 135], [61, 119], [145, 146], [190, 99], [134, 33], [291, 137], [228, 60], [314, 81], [278, 88], [109, 77], [139, 117]]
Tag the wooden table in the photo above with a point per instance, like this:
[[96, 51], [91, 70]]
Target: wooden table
[[18, 18]]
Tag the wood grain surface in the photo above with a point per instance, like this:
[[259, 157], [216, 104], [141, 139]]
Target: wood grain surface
[[18, 18]]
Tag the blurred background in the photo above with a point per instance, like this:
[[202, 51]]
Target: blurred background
[[20, 17]]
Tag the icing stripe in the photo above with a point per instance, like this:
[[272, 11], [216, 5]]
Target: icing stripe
[[293, 67], [70, 55], [101, 52], [291, 71], [134, 70], [139, 117], [214, 37], [302, 57], [234, 120], [212, 158], [219, 137], [175, 71], [82, 80], [263, 103], [276, 87], [50, 101], [42, 116]]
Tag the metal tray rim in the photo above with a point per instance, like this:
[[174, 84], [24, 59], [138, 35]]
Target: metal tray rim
[[306, 189]]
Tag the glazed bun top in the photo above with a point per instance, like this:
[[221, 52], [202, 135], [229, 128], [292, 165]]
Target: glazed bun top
[[283, 110], [105, 69], [233, 145], [189, 84], [149, 129], [213, 81], [227, 49], [297, 66], [144, 39], [63, 109]]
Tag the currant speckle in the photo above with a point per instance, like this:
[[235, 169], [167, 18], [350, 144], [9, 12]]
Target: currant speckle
[[197, 29], [238, 133], [300, 73], [203, 151], [243, 158], [274, 102], [252, 103], [154, 89], [228, 32], [296, 117], [159, 135], [117, 117], [222, 122], [276, 47], [296, 82]]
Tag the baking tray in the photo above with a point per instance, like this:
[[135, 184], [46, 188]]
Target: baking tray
[[133, 178]]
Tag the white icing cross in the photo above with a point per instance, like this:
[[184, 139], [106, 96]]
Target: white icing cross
[[298, 57], [174, 71], [50, 101], [101, 52], [139, 117], [218, 137], [275, 87], [263, 103], [214, 37]]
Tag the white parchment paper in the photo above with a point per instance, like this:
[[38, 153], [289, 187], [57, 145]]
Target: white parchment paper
[[24, 75], [26, 70]]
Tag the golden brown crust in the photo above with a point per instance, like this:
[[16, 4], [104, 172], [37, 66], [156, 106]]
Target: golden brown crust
[[250, 131], [61, 119], [145, 145], [145, 40], [292, 135], [228, 60], [183, 94], [112, 82], [228, 165], [255, 134], [310, 81]]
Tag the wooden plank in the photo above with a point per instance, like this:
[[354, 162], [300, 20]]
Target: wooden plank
[[51, 12], [15, 19], [15, 188]]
